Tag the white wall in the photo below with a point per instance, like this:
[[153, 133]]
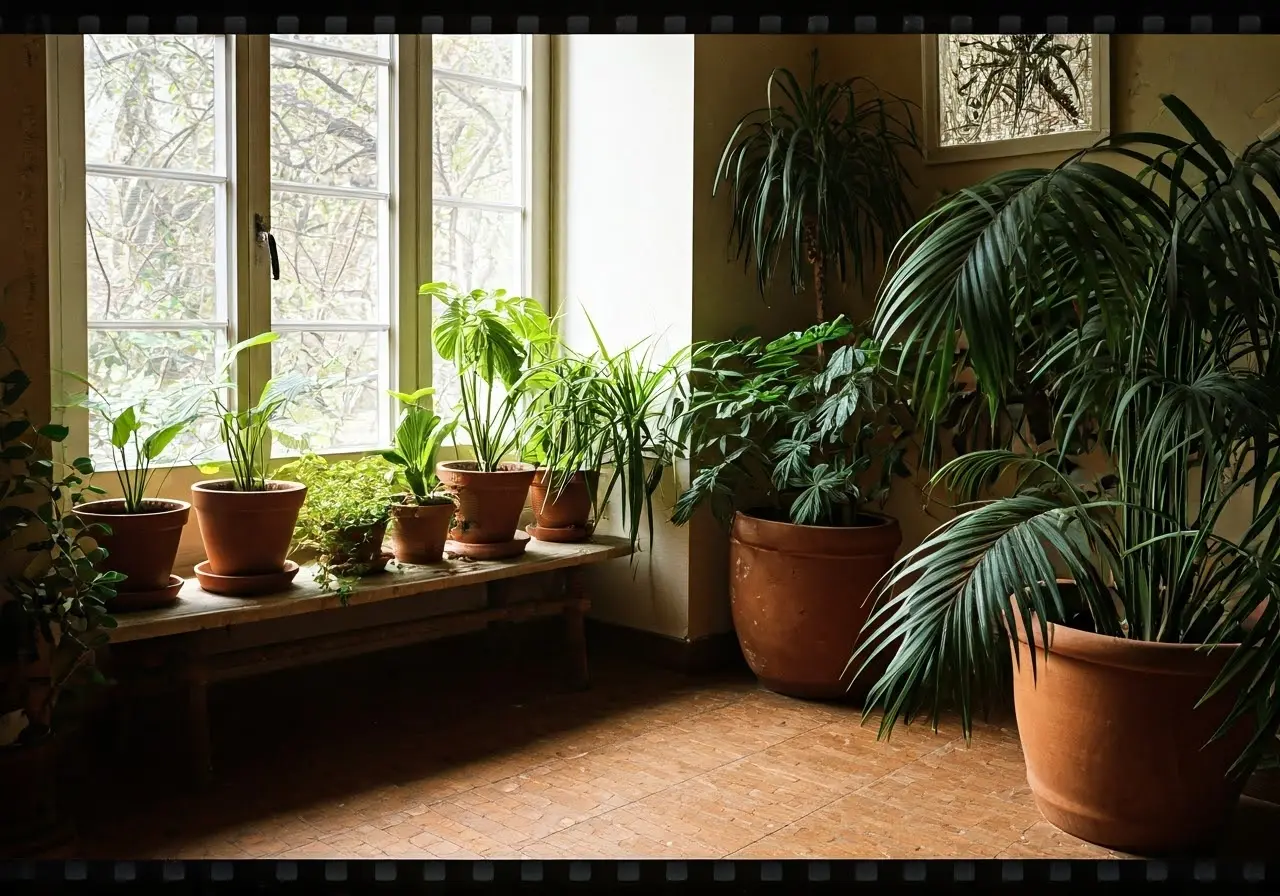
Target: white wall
[[624, 203]]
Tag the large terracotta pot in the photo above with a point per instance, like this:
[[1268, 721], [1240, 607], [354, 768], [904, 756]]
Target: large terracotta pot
[[142, 546], [246, 533], [420, 530], [489, 504], [799, 598], [1116, 752], [560, 505]]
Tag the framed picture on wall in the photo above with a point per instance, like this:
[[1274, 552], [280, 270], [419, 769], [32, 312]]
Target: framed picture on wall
[[993, 95]]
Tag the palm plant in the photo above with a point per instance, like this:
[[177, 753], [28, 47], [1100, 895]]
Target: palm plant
[[821, 181], [1144, 309]]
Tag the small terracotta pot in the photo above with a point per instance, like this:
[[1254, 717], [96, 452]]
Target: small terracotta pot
[[489, 504], [560, 505], [246, 533], [799, 600], [420, 531], [365, 545], [1116, 752], [142, 546]]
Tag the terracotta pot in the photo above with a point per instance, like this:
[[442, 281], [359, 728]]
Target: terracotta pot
[[420, 531], [489, 504], [1116, 752], [799, 599], [569, 504], [365, 545], [143, 545], [246, 533]]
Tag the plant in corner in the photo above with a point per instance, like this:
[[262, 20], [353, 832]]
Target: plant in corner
[[247, 520], [144, 531], [422, 514], [53, 616], [498, 344], [794, 446], [820, 180], [1138, 609], [344, 519]]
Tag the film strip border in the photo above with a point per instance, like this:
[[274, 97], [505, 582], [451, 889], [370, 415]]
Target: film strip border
[[557, 874], [170, 22]]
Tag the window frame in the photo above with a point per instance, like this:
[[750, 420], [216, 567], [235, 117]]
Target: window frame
[[409, 364]]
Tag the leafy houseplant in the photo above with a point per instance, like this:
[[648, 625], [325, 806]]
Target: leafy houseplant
[[565, 436], [820, 180], [786, 438], [53, 614], [247, 521], [344, 519], [423, 515], [1149, 305], [498, 343], [144, 531]]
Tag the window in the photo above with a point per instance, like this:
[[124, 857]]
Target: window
[[374, 162], [990, 95]]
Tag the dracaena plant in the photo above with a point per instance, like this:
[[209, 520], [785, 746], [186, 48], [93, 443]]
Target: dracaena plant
[[245, 433], [815, 438], [1144, 308], [498, 344], [132, 453], [818, 176], [418, 438]]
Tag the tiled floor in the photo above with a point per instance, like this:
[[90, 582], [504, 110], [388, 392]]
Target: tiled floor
[[469, 757]]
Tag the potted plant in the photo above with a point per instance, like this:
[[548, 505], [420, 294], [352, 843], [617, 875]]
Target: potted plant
[[344, 520], [53, 617], [1146, 310], [794, 446], [247, 520], [565, 439], [422, 514], [497, 343], [820, 179], [144, 531]]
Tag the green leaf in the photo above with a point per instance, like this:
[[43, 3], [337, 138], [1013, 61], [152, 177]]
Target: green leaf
[[123, 427], [158, 441], [54, 432]]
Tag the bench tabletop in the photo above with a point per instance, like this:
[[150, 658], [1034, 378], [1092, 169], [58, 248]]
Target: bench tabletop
[[197, 609]]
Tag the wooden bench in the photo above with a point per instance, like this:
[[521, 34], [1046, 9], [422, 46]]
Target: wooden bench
[[206, 638]]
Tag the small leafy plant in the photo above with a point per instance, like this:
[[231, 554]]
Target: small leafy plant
[[53, 614], [133, 454], [245, 433], [346, 512], [498, 343], [418, 438], [779, 425]]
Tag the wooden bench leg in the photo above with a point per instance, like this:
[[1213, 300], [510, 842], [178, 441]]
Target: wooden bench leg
[[198, 741], [575, 616]]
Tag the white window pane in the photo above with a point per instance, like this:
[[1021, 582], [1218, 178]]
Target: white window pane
[[149, 100], [128, 366], [345, 412], [373, 44], [491, 56], [150, 249], [474, 153], [324, 119], [329, 258], [477, 248]]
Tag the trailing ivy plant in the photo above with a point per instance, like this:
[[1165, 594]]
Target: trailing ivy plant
[[780, 427], [54, 612], [346, 502]]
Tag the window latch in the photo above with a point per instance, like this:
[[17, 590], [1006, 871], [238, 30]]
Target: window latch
[[265, 236]]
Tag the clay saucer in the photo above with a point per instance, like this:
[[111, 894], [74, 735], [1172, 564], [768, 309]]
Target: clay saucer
[[501, 550], [564, 535], [246, 586], [130, 601]]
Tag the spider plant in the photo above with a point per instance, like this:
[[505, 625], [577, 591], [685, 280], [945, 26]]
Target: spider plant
[[778, 425], [497, 342], [819, 178], [1150, 303], [1021, 73]]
